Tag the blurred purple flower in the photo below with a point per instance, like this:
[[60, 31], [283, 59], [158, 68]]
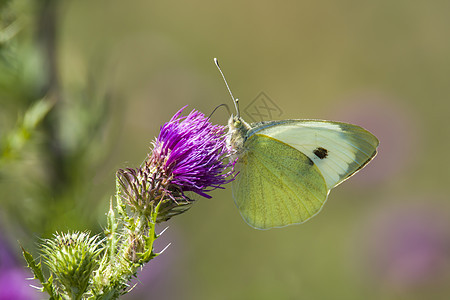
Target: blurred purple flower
[[409, 247], [13, 283], [394, 125]]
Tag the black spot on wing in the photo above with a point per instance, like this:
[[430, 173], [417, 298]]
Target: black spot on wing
[[321, 152]]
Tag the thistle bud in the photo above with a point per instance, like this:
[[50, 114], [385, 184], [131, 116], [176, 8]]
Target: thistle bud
[[71, 257]]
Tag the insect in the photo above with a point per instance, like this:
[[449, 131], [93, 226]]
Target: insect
[[287, 168]]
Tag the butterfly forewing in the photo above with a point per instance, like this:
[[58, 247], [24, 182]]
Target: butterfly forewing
[[277, 185], [337, 149]]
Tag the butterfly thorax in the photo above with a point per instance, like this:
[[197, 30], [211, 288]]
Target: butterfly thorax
[[237, 134]]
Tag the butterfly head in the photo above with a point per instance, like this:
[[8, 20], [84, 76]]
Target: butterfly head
[[237, 133]]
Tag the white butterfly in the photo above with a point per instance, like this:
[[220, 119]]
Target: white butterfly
[[287, 168]]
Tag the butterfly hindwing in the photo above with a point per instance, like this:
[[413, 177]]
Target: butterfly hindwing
[[338, 149], [277, 185]]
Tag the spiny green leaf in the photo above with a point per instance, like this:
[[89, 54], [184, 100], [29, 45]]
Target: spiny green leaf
[[47, 285], [36, 268], [150, 239], [111, 233]]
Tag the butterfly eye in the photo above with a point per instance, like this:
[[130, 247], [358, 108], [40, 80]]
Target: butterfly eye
[[237, 123]]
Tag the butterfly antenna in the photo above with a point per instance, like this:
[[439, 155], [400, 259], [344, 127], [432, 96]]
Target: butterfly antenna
[[235, 101], [223, 104]]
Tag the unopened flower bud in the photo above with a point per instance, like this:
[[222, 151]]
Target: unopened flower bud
[[71, 257]]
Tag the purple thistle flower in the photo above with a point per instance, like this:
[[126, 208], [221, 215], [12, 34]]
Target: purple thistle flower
[[190, 154], [192, 151]]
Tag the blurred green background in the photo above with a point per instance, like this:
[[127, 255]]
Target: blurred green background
[[115, 71]]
